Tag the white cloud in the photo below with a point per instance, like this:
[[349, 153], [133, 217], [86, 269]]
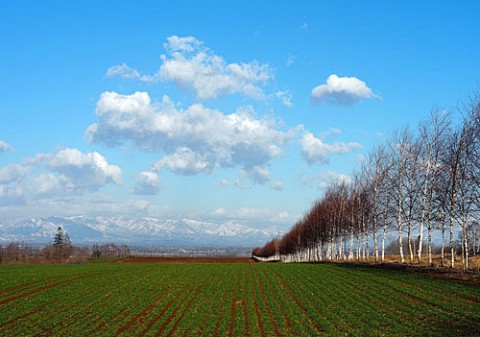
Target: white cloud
[[341, 90], [52, 181], [285, 97], [11, 194], [323, 180], [328, 178], [4, 147], [124, 71], [314, 150], [331, 132], [191, 65], [194, 140], [182, 44], [48, 184], [11, 180], [185, 161], [257, 174], [13, 173], [147, 183], [82, 170]]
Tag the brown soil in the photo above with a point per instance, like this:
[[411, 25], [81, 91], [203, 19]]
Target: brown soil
[[471, 276], [182, 259]]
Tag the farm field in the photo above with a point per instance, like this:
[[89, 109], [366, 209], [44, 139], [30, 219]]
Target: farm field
[[231, 299]]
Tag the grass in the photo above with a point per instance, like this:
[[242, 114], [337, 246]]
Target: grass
[[231, 299]]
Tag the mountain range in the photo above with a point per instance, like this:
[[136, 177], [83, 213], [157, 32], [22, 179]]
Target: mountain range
[[136, 231]]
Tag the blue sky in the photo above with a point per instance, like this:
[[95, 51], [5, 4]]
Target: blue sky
[[214, 110]]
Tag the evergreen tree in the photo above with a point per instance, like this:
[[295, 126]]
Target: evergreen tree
[[58, 240]]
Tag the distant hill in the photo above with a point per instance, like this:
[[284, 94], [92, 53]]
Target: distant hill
[[145, 230]]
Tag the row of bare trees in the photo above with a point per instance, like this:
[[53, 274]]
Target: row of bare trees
[[60, 251], [421, 184], [20, 252]]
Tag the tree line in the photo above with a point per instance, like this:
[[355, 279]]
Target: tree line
[[420, 184], [61, 250]]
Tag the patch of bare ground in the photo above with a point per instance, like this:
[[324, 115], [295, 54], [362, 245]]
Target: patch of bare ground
[[471, 276]]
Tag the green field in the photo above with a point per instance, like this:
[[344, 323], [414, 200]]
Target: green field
[[243, 299]]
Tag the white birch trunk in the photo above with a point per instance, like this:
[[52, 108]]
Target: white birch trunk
[[350, 252]]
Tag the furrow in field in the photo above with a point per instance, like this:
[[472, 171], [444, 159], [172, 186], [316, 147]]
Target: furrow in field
[[35, 291], [319, 329], [279, 305], [201, 309], [137, 318], [102, 320], [208, 313], [27, 285], [101, 294], [346, 301], [185, 310], [13, 321], [302, 323], [244, 303], [257, 311], [152, 322], [267, 306], [221, 310], [231, 326]]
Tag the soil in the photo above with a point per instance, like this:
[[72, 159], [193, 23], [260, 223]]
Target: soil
[[468, 277]]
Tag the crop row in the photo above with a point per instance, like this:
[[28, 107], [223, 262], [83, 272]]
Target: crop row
[[230, 300]]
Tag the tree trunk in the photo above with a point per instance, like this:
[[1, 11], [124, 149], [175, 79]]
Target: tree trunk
[[350, 252], [443, 242], [409, 239], [430, 245], [384, 236]]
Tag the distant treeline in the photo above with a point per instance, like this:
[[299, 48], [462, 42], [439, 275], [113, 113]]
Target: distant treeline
[[60, 251], [19, 252], [417, 180]]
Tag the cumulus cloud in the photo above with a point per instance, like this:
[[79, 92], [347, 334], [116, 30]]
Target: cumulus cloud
[[11, 194], [194, 140], [49, 184], [341, 91], [314, 150], [55, 177], [4, 147], [186, 162], [191, 65], [147, 183], [81, 170], [12, 180], [13, 173]]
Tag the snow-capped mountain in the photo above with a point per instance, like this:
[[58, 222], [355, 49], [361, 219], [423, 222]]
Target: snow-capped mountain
[[146, 230]]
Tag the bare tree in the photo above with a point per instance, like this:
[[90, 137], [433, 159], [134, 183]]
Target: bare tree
[[399, 147], [432, 134]]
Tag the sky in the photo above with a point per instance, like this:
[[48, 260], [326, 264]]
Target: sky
[[214, 110]]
